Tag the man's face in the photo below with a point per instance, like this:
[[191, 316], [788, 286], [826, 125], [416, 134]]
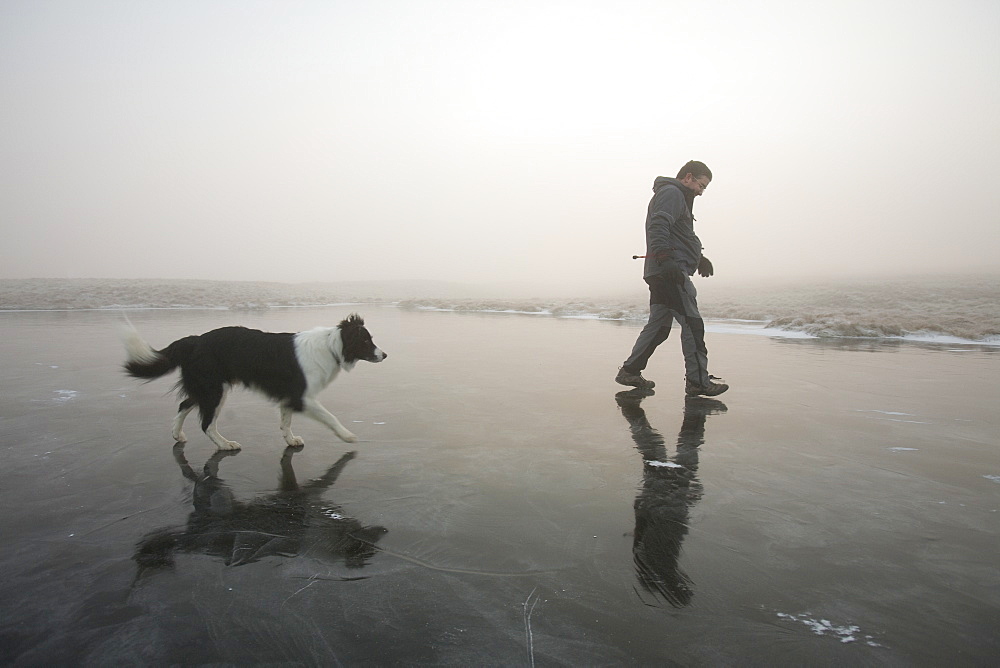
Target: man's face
[[695, 185]]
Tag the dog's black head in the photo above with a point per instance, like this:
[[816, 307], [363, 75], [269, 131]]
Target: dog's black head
[[357, 342]]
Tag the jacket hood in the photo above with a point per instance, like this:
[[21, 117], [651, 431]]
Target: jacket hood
[[662, 181], [665, 181]]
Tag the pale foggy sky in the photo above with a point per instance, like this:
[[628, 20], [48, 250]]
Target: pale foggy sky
[[481, 142]]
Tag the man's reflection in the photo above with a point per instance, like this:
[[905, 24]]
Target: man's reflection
[[670, 487], [293, 521]]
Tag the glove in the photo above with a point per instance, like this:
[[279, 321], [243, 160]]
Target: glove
[[705, 267], [672, 271]]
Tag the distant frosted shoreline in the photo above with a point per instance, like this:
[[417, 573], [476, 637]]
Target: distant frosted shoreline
[[946, 310]]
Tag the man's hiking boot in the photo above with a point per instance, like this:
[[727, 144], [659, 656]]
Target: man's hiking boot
[[712, 389], [634, 379]]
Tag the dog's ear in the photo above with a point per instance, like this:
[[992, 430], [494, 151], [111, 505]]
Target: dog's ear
[[353, 320]]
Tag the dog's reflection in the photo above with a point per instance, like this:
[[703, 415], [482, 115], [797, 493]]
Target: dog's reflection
[[670, 487], [294, 521]]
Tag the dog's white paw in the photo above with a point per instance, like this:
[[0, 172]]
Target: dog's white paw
[[179, 437], [230, 445], [348, 437], [295, 441]]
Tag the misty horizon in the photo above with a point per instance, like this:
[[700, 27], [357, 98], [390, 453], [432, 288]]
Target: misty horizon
[[489, 145]]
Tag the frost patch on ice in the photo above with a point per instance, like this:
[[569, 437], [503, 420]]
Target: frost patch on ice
[[378, 422], [738, 326], [668, 465], [994, 478], [891, 419], [65, 395], [333, 515], [824, 627], [904, 449]]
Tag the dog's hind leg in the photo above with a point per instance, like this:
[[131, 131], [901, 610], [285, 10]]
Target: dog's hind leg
[[177, 432], [315, 410], [210, 407], [286, 428]]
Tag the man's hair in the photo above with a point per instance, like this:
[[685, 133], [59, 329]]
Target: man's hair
[[695, 169]]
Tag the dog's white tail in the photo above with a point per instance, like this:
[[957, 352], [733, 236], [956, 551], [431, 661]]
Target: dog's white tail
[[136, 347]]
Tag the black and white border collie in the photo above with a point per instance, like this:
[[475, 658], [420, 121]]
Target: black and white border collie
[[290, 369]]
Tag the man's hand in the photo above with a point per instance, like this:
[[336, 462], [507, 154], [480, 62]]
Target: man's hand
[[705, 268]]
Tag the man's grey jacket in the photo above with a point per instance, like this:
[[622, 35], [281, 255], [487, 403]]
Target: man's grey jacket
[[670, 228]]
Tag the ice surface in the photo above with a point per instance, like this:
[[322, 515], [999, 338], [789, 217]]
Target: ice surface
[[515, 506]]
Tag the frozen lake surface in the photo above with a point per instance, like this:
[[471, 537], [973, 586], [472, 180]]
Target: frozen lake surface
[[508, 503]]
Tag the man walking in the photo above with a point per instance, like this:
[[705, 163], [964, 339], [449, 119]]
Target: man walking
[[673, 254]]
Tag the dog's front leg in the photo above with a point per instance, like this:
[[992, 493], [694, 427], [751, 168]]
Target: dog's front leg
[[286, 428], [315, 410]]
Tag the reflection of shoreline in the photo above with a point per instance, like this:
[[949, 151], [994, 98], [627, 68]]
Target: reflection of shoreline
[[670, 487], [293, 521]]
